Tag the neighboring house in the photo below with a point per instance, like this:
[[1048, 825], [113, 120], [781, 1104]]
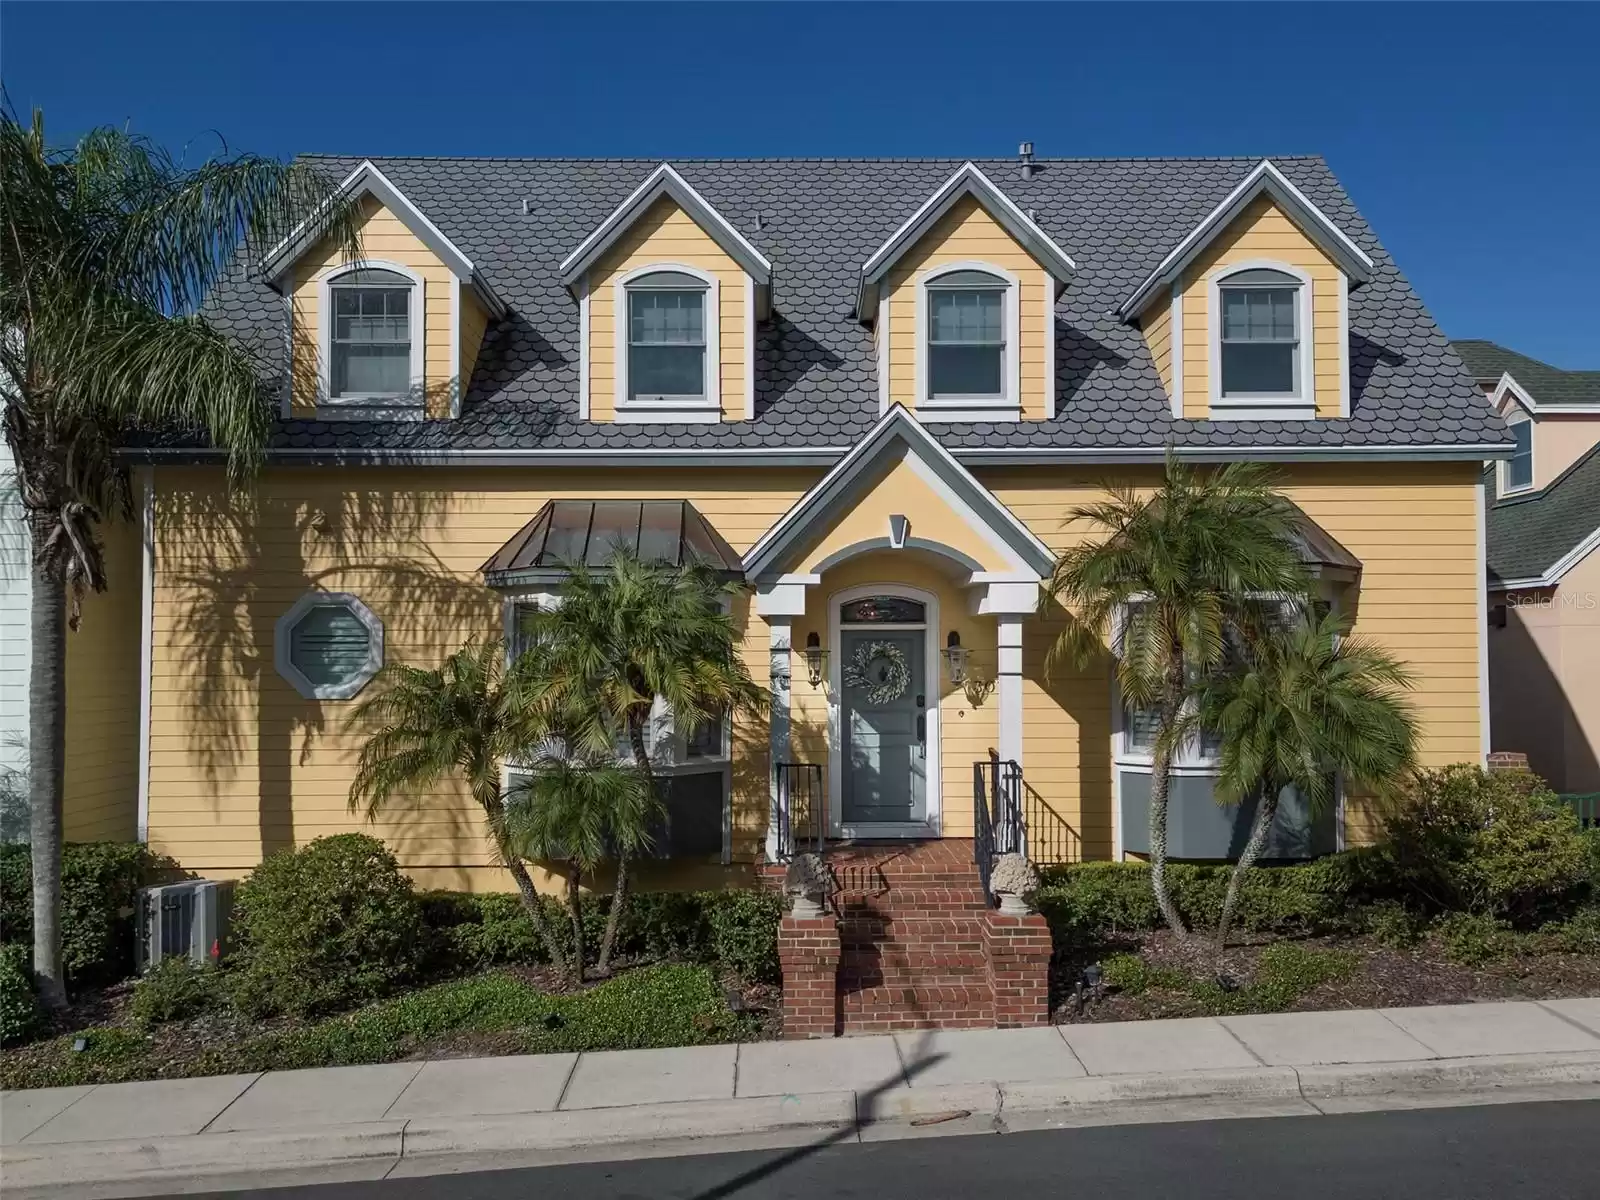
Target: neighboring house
[[100, 781], [871, 389], [1544, 565]]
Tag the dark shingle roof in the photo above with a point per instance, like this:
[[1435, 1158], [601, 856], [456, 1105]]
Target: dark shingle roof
[[1528, 534], [818, 221], [1546, 384]]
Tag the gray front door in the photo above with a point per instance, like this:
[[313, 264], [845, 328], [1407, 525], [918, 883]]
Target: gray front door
[[883, 721]]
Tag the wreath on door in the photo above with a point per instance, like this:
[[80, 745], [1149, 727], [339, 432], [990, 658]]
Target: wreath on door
[[881, 669]]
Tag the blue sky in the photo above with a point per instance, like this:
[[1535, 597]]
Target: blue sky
[[1466, 134]]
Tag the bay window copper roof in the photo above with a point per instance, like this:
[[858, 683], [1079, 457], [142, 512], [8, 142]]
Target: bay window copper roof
[[590, 532]]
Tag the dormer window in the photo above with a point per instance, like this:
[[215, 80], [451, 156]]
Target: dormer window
[[372, 337], [668, 345], [966, 337], [968, 366], [1518, 470], [1260, 334], [371, 334], [667, 339]]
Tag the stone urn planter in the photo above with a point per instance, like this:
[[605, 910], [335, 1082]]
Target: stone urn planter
[[807, 883], [1014, 879]]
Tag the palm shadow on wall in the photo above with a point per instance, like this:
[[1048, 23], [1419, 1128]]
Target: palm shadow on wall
[[231, 566]]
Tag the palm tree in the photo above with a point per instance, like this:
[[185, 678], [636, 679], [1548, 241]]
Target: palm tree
[[465, 717], [578, 811], [1176, 568], [107, 250], [1303, 704], [617, 641]]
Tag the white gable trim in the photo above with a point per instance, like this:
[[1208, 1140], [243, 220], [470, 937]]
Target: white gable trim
[[968, 181], [367, 180], [1332, 240], [932, 461], [1553, 575], [1510, 387], [664, 181]]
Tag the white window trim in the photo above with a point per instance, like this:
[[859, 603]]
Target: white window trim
[[370, 406], [709, 409], [1007, 407], [1299, 405], [283, 638], [1503, 470]]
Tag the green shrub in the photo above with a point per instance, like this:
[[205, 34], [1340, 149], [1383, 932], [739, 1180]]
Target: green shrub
[[20, 1014], [1496, 843], [1580, 935], [1133, 976], [1089, 901], [744, 933], [172, 990], [1473, 939], [100, 884], [1393, 924], [324, 927], [1288, 970]]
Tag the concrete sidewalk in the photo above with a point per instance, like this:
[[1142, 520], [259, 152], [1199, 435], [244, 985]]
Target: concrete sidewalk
[[461, 1114]]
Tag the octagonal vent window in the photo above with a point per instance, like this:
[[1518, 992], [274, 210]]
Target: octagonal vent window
[[329, 645]]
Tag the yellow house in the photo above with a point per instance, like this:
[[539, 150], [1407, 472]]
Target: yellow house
[[873, 391]]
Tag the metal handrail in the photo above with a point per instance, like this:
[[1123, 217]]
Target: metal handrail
[[802, 808], [998, 826], [1586, 805]]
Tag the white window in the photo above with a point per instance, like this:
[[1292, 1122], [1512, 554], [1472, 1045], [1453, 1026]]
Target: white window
[[1517, 473], [328, 645], [1260, 334], [667, 351], [372, 337], [967, 353]]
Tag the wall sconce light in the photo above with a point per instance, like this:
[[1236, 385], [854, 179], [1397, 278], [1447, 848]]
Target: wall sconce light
[[816, 658], [955, 658]]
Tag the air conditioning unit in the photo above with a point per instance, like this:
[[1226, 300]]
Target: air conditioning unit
[[184, 920]]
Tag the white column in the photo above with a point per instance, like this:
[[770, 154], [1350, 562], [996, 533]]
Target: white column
[[1008, 690], [778, 632], [1008, 686]]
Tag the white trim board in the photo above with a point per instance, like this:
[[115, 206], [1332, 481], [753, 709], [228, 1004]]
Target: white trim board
[[1508, 386], [898, 425], [1265, 177], [968, 180], [368, 180], [665, 181]]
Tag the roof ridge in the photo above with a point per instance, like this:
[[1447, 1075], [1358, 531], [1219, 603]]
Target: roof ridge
[[815, 158]]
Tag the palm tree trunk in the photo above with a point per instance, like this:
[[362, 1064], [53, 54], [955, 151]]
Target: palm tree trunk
[[531, 904], [1266, 811], [47, 732], [575, 911], [619, 893], [1160, 790]]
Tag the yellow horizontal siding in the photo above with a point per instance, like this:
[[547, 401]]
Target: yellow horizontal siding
[[666, 234], [1157, 326], [967, 233]]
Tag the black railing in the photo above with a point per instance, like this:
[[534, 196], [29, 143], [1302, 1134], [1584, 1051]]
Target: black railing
[[802, 808], [997, 824]]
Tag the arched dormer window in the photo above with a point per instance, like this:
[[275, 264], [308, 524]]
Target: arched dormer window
[[668, 359], [372, 335], [1261, 341], [967, 345]]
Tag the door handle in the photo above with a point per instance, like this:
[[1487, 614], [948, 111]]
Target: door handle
[[922, 728]]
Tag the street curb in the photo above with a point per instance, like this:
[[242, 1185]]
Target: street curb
[[423, 1146]]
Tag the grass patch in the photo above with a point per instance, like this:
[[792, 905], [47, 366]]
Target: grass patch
[[657, 1006]]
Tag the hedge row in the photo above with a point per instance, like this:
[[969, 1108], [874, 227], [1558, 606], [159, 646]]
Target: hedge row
[[100, 884]]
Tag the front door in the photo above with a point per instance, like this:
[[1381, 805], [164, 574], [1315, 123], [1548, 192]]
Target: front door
[[884, 725]]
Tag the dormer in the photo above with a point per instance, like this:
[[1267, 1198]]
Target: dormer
[[669, 295], [1551, 434], [394, 335], [1247, 318], [962, 300]]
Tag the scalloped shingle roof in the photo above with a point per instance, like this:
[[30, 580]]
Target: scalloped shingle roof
[[818, 220]]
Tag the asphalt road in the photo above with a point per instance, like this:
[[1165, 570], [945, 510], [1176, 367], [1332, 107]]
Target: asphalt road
[[1547, 1151]]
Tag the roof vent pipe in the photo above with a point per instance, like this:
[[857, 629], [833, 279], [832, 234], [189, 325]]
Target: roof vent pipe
[[1025, 153]]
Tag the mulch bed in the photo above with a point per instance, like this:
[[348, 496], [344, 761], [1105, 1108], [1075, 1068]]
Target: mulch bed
[[1383, 977]]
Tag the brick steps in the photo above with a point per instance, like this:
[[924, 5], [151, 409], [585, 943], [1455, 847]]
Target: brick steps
[[914, 946]]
